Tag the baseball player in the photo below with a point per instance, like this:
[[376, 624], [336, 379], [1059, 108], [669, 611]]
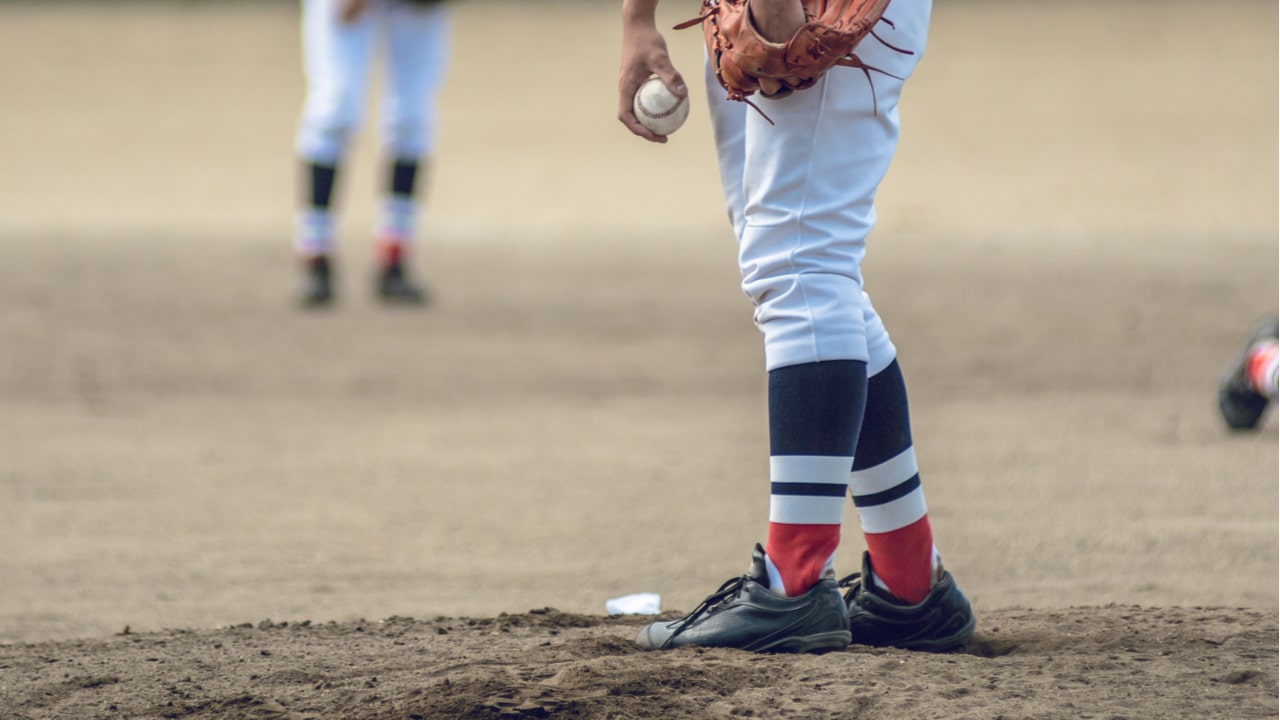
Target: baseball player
[[799, 179], [1249, 384], [339, 39]]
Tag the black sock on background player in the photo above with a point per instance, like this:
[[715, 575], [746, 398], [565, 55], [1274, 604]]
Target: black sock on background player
[[321, 181], [315, 233]]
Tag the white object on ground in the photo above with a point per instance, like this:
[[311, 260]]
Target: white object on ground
[[637, 604]]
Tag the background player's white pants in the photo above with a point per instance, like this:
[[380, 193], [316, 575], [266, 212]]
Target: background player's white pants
[[801, 193], [337, 59]]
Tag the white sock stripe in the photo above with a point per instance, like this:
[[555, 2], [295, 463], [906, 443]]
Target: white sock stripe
[[828, 470], [1267, 383], [314, 233], [887, 474], [399, 215], [808, 489], [806, 510], [893, 515], [315, 221], [313, 246]]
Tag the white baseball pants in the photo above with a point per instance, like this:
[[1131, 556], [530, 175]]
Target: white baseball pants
[[800, 195], [337, 58]]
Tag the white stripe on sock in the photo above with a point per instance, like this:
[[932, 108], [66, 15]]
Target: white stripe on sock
[[887, 474], [893, 515], [806, 509], [399, 218], [809, 509], [314, 234], [810, 469]]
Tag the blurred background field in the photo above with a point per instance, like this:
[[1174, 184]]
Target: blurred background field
[[1079, 230], [1079, 119]]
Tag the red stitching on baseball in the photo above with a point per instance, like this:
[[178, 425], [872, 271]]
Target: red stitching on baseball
[[668, 113]]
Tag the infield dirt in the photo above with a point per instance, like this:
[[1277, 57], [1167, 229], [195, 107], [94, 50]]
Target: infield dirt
[[219, 506]]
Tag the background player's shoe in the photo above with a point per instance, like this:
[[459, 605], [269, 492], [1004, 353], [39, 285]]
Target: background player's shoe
[[942, 621], [1242, 406], [745, 614], [395, 286], [317, 281]]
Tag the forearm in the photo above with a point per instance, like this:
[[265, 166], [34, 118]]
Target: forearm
[[641, 12]]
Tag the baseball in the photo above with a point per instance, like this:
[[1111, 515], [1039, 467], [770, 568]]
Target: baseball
[[658, 109]]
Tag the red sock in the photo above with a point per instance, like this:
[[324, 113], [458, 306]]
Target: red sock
[[800, 553], [903, 559], [390, 252], [1260, 368]]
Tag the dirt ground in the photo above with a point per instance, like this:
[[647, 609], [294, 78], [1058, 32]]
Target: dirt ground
[[218, 506]]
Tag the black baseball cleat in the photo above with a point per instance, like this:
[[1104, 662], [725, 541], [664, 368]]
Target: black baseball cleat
[[942, 621], [395, 286], [1241, 405], [745, 614], [317, 282]]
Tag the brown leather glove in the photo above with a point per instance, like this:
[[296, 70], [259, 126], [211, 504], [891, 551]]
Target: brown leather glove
[[746, 63], [350, 10]]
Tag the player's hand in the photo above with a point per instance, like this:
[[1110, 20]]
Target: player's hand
[[777, 20], [350, 10], [644, 52]]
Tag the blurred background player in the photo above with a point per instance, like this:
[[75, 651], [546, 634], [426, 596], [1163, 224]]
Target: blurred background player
[[340, 39], [1249, 385]]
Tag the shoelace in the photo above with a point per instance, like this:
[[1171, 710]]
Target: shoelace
[[729, 590], [853, 583]]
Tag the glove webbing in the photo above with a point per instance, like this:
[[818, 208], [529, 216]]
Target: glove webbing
[[850, 61]]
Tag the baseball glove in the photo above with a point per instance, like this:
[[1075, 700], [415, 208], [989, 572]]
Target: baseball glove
[[746, 63]]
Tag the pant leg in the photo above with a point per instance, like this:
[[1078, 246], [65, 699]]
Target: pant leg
[[808, 189], [417, 59], [729, 127], [336, 60]]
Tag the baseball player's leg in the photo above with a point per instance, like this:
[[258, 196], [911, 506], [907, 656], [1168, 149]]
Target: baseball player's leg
[[336, 63], [903, 596], [885, 479], [787, 600], [806, 184], [809, 181], [417, 57], [1249, 385]]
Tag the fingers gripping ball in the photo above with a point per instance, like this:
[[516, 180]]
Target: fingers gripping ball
[[659, 109]]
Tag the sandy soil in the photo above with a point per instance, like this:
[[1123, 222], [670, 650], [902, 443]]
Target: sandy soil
[[217, 506]]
